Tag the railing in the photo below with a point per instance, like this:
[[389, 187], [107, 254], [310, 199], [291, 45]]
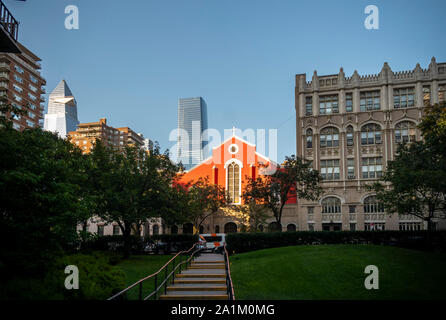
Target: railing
[[9, 23], [158, 276], [229, 285]]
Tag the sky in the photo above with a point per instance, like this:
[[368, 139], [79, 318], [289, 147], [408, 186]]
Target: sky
[[130, 61]]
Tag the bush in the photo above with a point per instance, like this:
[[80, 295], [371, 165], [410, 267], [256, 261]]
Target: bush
[[98, 279], [244, 242]]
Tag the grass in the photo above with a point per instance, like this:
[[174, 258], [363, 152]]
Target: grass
[[337, 272], [138, 267]]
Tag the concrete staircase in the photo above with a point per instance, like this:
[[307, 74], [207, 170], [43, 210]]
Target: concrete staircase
[[204, 280]]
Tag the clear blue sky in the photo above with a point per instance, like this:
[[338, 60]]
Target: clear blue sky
[[131, 60]]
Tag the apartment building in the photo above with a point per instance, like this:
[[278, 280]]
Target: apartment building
[[21, 85], [349, 127], [87, 133]]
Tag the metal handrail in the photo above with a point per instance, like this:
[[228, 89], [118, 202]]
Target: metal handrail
[[8, 21], [155, 275], [229, 285]]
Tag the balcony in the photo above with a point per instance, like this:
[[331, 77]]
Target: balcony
[[9, 31], [4, 66]]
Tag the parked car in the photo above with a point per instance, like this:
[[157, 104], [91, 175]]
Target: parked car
[[213, 242]]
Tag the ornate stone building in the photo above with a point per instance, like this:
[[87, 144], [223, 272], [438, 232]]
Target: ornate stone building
[[349, 127]]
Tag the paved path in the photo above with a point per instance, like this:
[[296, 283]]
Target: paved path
[[205, 279]]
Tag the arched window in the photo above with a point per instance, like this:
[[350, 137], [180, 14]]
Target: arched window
[[274, 227], [370, 134], [174, 229], [372, 205], [349, 136], [156, 229], [230, 227], [405, 132], [261, 228], [291, 227], [233, 181], [331, 205], [217, 229], [309, 139], [329, 137], [188, 228]]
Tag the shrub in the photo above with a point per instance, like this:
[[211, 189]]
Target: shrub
[[244, 242]]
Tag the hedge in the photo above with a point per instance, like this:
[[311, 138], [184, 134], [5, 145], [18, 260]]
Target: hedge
[[244, 242]]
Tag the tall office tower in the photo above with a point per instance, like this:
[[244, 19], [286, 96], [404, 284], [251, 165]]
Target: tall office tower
[[62, 111], [349, 128], [21, 85], [192, 122], [86, 134]]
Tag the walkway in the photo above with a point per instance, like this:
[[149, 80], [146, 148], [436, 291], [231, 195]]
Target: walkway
[[204, 280]]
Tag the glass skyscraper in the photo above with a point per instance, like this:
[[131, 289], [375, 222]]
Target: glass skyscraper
[[192, 122]]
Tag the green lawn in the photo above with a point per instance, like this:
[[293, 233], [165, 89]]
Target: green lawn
[[337, 272], [138, 267]]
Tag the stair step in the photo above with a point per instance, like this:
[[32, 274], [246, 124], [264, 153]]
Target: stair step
[[209, 266], [199, 262], [196, 288], [200, 275], [207, 280], [184, 296]]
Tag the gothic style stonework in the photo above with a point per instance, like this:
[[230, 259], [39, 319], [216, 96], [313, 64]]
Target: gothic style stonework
[[349, 127]]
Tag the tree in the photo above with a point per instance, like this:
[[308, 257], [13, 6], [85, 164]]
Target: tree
[[39, 202], [132, 185], [207, 199], [295, 178], [415, 181], [250, 215]]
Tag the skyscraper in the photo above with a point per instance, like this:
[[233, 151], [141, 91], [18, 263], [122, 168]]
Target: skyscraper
[[192, 122], [62, 111]]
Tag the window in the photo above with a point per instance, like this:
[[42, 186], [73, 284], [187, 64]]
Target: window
[[352, 226], [330, 169], [372, 205], [34, 89], [18, 69], [115, 230], [100, 231], [441, 93], [18, 79], [329, 137], [373, 226], [30, 124], [406, 226], [348, 102], [426, 95], [309, 138], [405, 132], [16, 126], [370, 134], [351, 209], [369, 101], [32, 97], [31, 115], [349, 136], [350, 168], [331, 205], [33, 79], [233, 182], [328, 104], [291, 227], [17, 88], [403, 98], [311, 227], [371, 168], [308, 106], [310, 213], [32, 106]]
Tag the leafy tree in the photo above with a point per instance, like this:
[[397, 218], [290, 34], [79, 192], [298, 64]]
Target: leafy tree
[[207, 198], [250, 215], [415, 181], [39, 202], [132, 186], [295, 178]]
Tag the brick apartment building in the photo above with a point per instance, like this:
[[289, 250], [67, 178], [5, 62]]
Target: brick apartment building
[[21, 85], [349, 127], [87, 133]]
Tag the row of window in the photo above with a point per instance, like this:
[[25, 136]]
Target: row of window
[[370, 100], [371, 133], [371, 168], [21, 71], [333, 205]]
